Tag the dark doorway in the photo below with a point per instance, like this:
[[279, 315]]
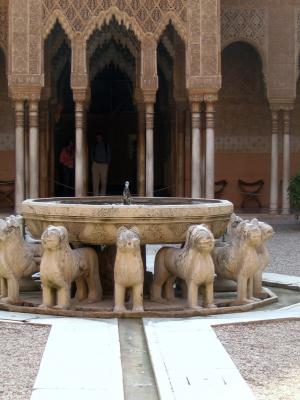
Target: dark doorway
[[113, 113]]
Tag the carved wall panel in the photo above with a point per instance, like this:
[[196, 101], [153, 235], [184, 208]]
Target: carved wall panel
[[150, 16], [3, 24], [242, 116], [25, 72], [243, 24], [6, 111], [203, 51]]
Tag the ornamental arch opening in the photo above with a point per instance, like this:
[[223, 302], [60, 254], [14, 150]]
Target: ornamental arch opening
[[243, 122]]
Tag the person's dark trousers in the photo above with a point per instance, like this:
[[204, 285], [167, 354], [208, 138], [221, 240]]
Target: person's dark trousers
[[68, 181]]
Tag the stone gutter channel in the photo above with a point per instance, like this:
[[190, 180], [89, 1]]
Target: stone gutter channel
[[126, 359]]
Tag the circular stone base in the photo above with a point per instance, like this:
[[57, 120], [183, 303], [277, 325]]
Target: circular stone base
[[177, 308]]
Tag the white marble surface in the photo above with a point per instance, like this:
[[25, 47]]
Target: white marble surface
[[81, 360], [189, 361], [288, 280]]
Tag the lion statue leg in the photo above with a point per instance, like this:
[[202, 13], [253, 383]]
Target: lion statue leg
[[49, 295], [94, 284], [137, 296], [13, 290], [241, 291], [208, 296], [258, 291], [169, 289], [64, 297], [3, 288], [161, 274], [250, 286], [192, 296], [119, 298], [81, 289]]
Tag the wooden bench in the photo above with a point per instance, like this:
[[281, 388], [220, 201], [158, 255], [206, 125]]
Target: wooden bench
[[7, 189], [219, 187], [250, 191]]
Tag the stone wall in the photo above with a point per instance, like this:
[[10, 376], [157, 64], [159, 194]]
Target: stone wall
[[6, 126]]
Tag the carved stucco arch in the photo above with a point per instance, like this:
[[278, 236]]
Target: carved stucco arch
[[112, 57], [97, 22], [58, 16], [259, 50], [171, 18], [109, 36]]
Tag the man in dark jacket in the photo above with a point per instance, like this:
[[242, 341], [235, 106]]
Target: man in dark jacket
[[101, 160]]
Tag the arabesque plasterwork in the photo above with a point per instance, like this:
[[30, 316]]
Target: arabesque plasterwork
[[84, 16], [3, 24]]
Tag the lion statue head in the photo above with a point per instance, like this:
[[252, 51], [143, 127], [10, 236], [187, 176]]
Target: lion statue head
[[55, 237], [199, 237], [234, 221], [11, 228], [267, 232], [128, 239], [249, 232]]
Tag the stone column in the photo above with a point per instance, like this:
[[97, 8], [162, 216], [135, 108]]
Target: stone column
[[44, 147], [196, 153], [20, 159], [149, 108], [286, 162], [141, 151], [210, 149], [187, 155], [80, 176], [274, 163], [34, 149], [180, 139]]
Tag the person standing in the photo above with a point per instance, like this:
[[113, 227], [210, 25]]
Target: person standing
[[67, 161], [100, 164]]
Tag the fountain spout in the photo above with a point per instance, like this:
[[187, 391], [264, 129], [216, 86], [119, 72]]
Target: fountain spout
[[126, 195]]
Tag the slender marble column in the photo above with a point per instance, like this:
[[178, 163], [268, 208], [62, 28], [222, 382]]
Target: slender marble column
[[180, 126], [286, 162], [196, 153], [80, 178], [33, 149], [187, 154], [20, 159], [149, 150], [141, 159], [210, 151], [274, 164]]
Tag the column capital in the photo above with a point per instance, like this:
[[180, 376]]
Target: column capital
[[148, 95], [210, 97], [281, 104], [81, 95], [31, 93], [195, 96]]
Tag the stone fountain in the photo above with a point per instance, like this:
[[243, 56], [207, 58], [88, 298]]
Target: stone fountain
[[124, 226]]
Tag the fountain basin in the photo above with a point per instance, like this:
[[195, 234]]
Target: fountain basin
[[95, 220]]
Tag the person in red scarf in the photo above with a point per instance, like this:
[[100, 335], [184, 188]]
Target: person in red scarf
[[67, 160]]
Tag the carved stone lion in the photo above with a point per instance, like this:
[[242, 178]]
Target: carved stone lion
[[129, 270], [239, 261], [267, 233], [234, 222], [60, 266], [17, 258], [193, 264]]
